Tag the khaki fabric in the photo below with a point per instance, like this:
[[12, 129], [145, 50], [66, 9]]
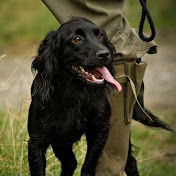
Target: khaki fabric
[[113, 159], [109, 15]]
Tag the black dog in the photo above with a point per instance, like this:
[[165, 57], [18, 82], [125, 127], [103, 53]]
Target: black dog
[[68, 96]]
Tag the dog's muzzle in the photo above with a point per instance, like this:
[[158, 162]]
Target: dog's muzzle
[[97, 75]]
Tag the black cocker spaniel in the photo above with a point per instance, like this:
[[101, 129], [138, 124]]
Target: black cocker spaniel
[[73, 68]]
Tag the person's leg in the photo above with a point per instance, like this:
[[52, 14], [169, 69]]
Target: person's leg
[[113, 159], [115, 154]]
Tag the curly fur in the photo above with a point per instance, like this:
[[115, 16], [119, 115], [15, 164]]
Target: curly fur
[[64, 105]]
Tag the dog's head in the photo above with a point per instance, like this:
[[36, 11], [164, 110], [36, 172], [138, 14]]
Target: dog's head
[[78, 48]]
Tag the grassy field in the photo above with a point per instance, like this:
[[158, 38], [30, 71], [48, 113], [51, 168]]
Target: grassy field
[[156, 149], [27, 22], [155, 152]]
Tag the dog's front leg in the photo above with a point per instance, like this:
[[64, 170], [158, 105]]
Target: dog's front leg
[[96, 135], [36, 158]]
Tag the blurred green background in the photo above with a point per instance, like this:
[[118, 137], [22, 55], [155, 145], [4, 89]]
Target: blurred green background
[[28, 21], [23, 24]]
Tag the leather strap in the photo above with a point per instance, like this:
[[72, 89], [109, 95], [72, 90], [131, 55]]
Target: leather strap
[[135, 95]]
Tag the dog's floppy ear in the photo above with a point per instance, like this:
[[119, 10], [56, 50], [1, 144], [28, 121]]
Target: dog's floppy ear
[[46, 64], [46, 61]]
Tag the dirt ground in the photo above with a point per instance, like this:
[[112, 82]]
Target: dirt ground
[[160, 78]]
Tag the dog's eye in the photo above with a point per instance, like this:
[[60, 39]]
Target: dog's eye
[[77, 39], [100, 36]]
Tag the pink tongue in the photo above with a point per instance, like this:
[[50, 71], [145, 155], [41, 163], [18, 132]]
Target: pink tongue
[[108, 77]]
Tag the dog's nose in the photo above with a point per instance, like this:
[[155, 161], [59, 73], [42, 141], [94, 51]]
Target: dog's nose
[[103, 54]]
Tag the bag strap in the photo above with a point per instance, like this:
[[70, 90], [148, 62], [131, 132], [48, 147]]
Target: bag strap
[[137, 101], [135, 95]]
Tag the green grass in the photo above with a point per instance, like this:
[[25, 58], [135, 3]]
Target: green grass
[[155, 155], [24, 21], [28, 22], [162, 12], [13, 146]]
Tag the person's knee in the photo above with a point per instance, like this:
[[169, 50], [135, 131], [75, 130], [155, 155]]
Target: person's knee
[[110, 165]]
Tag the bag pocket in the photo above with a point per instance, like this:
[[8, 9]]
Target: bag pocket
[[126, 99]]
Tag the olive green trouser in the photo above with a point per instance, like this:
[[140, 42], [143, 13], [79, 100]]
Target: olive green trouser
[[114, 157], [109, 15]]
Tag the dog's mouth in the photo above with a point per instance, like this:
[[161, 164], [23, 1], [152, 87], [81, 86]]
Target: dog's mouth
[[97, 75], [91, 75]]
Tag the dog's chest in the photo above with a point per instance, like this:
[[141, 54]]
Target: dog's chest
[[73, 119], [74, 111]]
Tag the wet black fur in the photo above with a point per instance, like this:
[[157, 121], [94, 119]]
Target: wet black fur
[[64, 105]]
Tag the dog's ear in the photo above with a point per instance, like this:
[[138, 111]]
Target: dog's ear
[[46, 61], [46, 64]]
